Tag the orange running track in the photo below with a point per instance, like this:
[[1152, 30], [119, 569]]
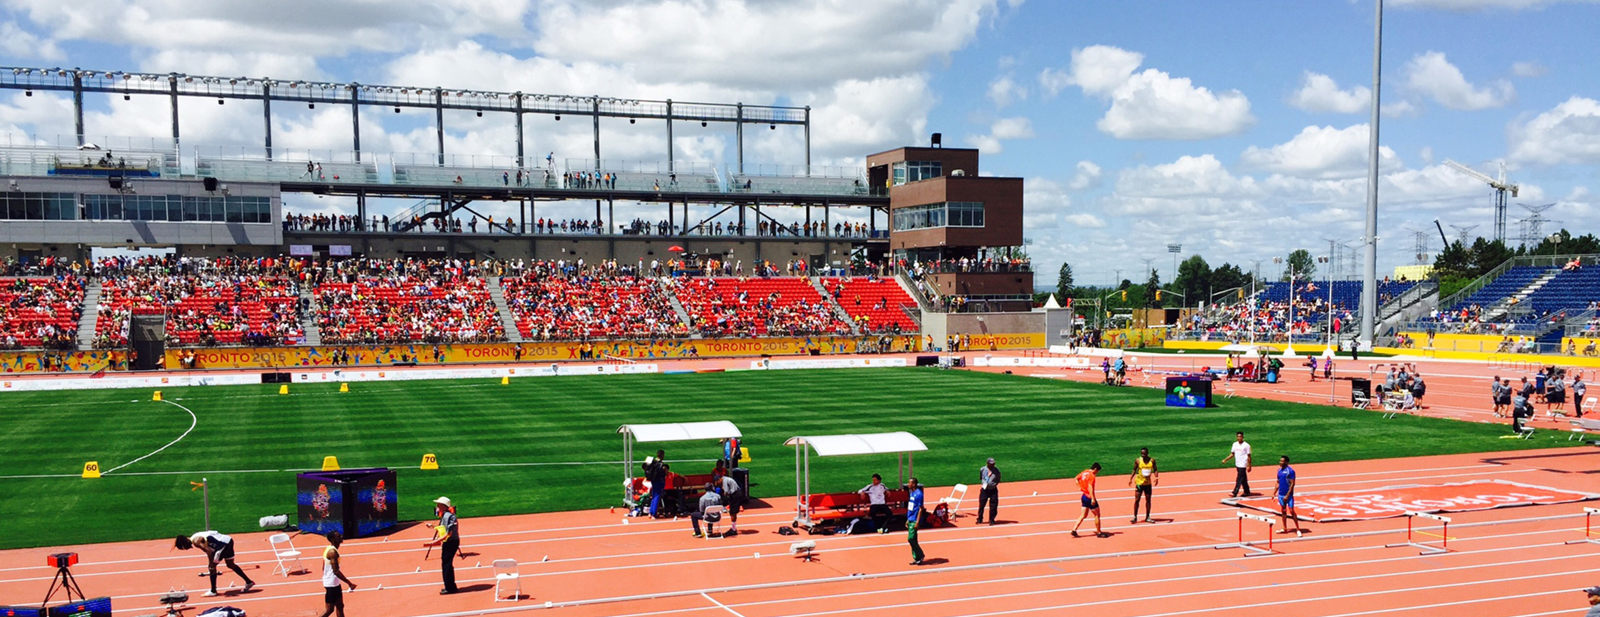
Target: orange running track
[[1512, 561]]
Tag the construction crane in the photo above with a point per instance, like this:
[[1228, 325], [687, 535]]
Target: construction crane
[[1500, 186]]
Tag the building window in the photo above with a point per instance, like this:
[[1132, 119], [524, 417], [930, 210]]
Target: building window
[[178, 208], [950, 214], [38, 207], [915, 171]]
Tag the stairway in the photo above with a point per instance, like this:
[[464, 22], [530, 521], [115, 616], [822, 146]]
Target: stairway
[[1501, 308], [816, 283], [507, 319], [91, 313], [308, 321], [677, 307]]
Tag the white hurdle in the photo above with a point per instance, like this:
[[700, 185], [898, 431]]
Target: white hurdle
[[1588, 537], [1251, 550], [1423, 548]]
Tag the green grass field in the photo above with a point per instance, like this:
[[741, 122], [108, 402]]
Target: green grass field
[[1036, 428]]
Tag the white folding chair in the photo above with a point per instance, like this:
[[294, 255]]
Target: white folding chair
[[957, 495], [719, 511], [285, 555], [506, 572]]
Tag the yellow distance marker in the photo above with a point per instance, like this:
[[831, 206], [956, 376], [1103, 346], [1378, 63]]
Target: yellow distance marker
[[344, 387], [156, 396], [330, 463], [283, 389], [91, 469], [744, 454], [429, 461], [505, 381]]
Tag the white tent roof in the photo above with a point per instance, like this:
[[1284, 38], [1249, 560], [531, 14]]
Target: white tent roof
[[683, 431], [1051, 303], [875, 443]]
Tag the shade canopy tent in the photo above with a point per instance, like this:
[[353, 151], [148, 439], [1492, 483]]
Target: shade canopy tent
[[660, 433], [902, 444]]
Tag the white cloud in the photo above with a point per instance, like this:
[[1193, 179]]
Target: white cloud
[[19, 43], [1320, 152], [1005, 91], [1049, 207], [1567, 133], [1320, 93], [1151, 104], [1432, 75], [1002, 130], [758, 43], [1088, 176], [1529, 69]]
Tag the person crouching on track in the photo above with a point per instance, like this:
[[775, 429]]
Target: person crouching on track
[[710, 498], [217, 547], [729, 489], [877, 507]]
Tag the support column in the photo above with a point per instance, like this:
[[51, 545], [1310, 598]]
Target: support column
[[361, 210], [518, 109], [671, 169], [522, 211], [355, 117], [266, 114], [611, 216], [172, 83], [808, 140], [597, 133], [597, 210], [745, 230], [671, 212], [77, 103], [738, 129], [438, 120], [808, 220]]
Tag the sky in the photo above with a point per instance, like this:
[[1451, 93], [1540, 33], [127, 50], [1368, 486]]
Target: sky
[[1237, 130]]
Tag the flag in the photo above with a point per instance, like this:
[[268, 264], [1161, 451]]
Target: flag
[[195, 486]]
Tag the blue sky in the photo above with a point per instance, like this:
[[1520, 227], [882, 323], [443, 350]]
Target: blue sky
[[1237, 129]]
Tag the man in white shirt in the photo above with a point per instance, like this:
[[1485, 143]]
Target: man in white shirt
[[332, 595], [1241, 464], [217, 547], [877, 507]]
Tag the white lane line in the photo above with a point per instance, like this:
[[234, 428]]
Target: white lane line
[[193, 422], [719, 604]]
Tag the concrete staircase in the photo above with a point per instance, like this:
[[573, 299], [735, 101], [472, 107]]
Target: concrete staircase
[[677, 307], [308, 321], [1508, 305], [91, 312], [816, 283], [507, 319]]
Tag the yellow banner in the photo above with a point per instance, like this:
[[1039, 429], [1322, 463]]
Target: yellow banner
[[291, 357], [1133, 337], [61, 361]]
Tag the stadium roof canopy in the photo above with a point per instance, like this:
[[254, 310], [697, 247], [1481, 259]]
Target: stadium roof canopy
[[874, 443], [682, 431]]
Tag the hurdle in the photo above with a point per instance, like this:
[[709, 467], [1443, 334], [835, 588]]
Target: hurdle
[[1250, 548], [1588, 537], [1423, 547]]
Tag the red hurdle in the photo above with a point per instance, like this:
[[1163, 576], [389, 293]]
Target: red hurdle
[[1251, 550], [1588, 536], [1423, 548]]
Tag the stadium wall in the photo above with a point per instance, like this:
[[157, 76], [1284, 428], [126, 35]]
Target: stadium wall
[[1490, 357]]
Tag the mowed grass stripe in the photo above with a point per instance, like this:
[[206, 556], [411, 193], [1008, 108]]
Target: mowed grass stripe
[[1037, 428]]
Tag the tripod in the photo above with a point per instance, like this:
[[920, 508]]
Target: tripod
[[65, 582]]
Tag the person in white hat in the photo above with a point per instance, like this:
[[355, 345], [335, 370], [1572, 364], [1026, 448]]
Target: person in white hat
[[447, 537]]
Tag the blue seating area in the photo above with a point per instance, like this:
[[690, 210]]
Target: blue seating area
[[1346, 294], [1571, 291], [1509, 282]]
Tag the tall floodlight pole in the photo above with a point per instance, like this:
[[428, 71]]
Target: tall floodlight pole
[[1369, 279]]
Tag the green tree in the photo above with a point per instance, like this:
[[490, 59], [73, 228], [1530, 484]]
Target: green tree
[[1300, 264], [1488, 254], [1194, 281], [1150, 287], [1064, 281], [1228, 276]]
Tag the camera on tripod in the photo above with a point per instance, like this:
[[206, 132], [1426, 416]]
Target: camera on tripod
[[64, 582], [61, 560]]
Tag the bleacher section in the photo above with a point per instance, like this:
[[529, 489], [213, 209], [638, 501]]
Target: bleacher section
[[875, 305], [1346, 294], [558, 308], [1571, 291], [201, 309], [1509, 282], [446, 308], [40, 311], [759, 307]]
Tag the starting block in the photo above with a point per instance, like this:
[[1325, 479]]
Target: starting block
[[1588, 537], [1422, 546], [803, 549], [1251, 549]]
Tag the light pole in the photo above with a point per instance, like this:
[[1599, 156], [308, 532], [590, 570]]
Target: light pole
[[1288, 337]]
